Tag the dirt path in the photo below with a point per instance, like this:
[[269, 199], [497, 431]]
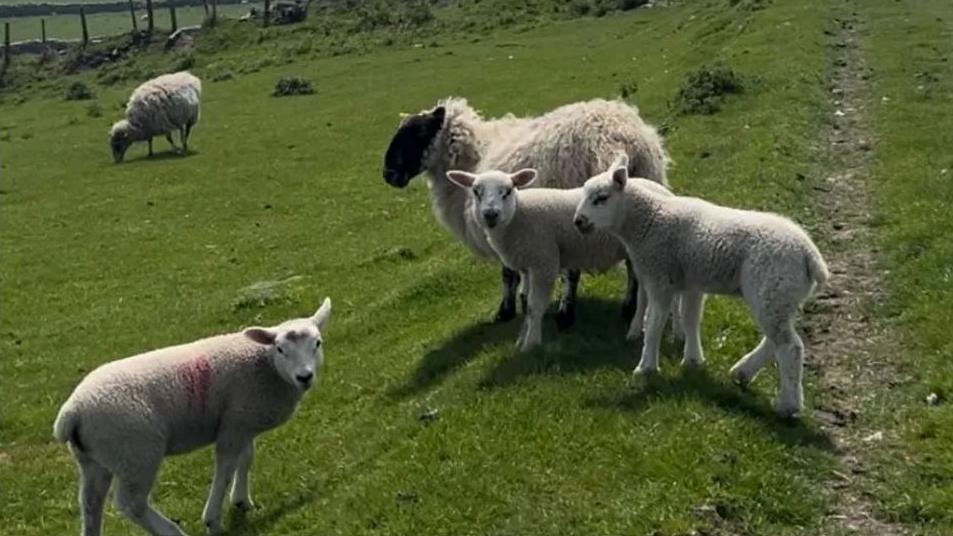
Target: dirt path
[[852, 352]]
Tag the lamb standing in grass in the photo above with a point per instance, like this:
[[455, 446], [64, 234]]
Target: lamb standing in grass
[[158, 107], [532, 233], [566, 146], [125, 416], [687, 245]]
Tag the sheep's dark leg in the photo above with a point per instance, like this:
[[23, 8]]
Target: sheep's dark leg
[[566, 316], [630, 302], [150, 147], [168, 136], [188, 133], [185, 141], [511, 283]]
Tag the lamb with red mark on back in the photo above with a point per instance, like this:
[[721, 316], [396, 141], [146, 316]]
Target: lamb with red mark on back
[[126, 416]]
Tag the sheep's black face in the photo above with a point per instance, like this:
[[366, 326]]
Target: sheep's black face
[[119, 144], [404, 158]]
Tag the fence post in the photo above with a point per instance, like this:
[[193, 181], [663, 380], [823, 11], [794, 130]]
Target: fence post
[[267, 15], [6, 45], [82, 19], [205, 4], [214, 12], [175, 23], [151, 25], [43, 30], [132, 13]]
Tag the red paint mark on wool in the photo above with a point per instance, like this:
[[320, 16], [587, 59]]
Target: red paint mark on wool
[[196, 377]]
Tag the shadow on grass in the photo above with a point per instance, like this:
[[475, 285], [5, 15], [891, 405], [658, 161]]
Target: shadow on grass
[[597, 341], [159, 156], [240, 523], [700, 385]]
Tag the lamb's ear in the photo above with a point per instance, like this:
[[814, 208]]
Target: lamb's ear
[[461, 178], [620, 174], [323, 314], [261, 335], [523, 177]]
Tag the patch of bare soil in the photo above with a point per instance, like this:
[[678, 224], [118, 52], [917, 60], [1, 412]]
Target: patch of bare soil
[[851, 351]]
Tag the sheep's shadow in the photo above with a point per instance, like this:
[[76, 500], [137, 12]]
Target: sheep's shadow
[[597, 341], [161, 156], [700, 385]]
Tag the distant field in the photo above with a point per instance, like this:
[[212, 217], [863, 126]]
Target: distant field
[[68, 26]]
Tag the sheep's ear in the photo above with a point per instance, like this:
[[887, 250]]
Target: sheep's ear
[[620, 175], [461, 178], [621, 161], [261, 335], [323, 314], [523, 177], [439, 114]]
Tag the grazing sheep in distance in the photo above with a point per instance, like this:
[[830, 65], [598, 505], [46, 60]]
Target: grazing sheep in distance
[[566, 146], [127, 415], [691, 246], [158, 107]]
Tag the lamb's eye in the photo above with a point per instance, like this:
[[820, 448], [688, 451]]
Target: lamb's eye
[[280, 351], [507, 193], [478, 192], [317, 344], [600, 199]]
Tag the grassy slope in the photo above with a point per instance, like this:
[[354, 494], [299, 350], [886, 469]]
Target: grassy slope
[[101, 24], [914, 177], [102, 261]]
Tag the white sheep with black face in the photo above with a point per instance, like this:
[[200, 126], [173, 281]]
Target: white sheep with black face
[[692, 247], [126, 416], [566, 146], [165, 104]]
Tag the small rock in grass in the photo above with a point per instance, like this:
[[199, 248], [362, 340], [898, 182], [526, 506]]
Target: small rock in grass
[[933, 399], [429, 416], [876, 436]]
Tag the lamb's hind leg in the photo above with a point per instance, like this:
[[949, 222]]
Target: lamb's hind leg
[[511, 283], [691, 306], [132, 498], [744, 371], [241, 492], [94, 485], [566, 316], [790, 358]]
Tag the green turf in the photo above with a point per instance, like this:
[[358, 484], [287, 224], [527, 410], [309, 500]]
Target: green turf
[[102, 261]]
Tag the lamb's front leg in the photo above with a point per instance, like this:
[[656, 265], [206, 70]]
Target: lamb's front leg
[[539, 284], [226, 461], [566, 316], [659, 302], [638, 319], [241, 492], [510, 286]]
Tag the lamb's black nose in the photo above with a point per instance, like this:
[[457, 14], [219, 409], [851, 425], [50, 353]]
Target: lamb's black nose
[[305, 379], [491, 217], [580, 222]]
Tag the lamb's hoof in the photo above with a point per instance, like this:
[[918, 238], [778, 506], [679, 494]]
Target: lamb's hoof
[[565, 319], [244, 505], [505, 313], [644, 372], [213, 526], [789, 411], [693, 364], [741, 378]]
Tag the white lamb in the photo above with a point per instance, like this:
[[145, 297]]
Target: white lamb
[[566, 146], [531, 231], [126, 416], [690, 246], [158, 107]]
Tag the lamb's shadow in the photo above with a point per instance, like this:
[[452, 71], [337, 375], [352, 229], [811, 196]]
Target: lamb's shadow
[[241, 523], [700, 385], [597, 341]]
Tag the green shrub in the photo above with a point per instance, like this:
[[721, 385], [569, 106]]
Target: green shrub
[[704, 90], [628, 89], [78, 91], [580, 8], [292, 85]]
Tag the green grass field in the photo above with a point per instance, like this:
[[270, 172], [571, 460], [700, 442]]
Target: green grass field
[[101, 261], [103, 24]]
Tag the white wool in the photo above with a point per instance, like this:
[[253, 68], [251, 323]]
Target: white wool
[[162, 105], [693, 247], [127, 415]]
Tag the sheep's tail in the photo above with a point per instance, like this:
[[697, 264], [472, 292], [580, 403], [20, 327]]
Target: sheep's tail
[[66, 427], [817, 270]]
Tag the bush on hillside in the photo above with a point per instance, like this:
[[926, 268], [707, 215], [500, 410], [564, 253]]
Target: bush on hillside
[[78, 91], [705, 89], [292, 85]]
